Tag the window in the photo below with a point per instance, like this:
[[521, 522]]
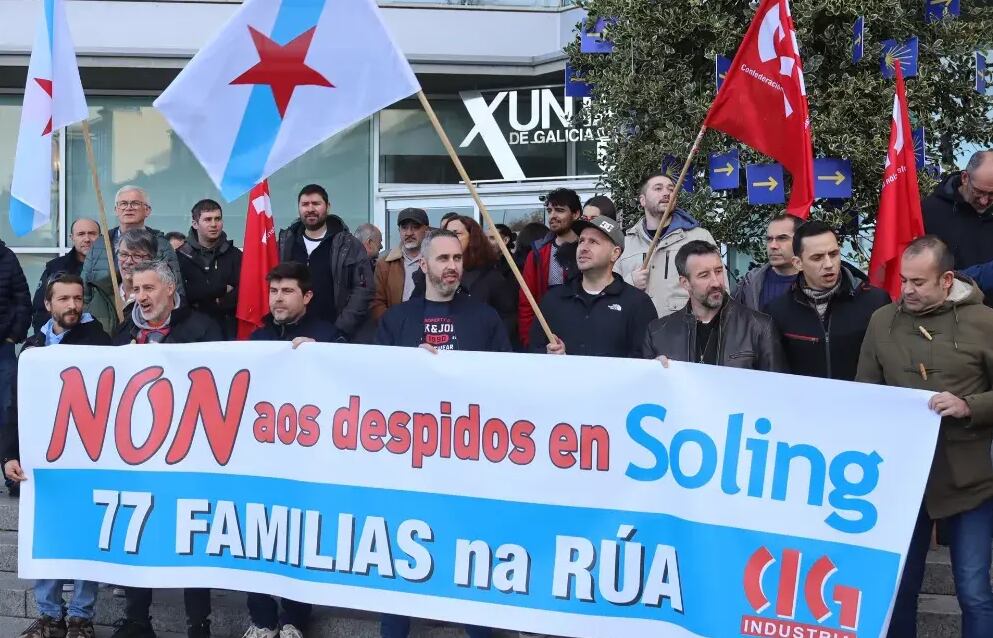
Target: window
[[134, 145]]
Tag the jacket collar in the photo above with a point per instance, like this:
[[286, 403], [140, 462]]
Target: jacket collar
[[613, 289], [193, 244]]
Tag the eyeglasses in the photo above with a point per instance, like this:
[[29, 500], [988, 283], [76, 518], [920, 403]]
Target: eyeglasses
[[132, 204], [133, 257]]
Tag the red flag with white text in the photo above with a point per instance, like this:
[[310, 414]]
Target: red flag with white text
[[899, 220], [260, 255], [763, 100]]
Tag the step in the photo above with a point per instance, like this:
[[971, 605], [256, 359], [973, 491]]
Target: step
[[938, 617]]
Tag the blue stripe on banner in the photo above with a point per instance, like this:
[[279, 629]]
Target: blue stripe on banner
[[261, 121], [21, 217], [711, 559], [50, 22]]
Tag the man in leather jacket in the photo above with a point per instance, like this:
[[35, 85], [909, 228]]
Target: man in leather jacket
[[713, 328]]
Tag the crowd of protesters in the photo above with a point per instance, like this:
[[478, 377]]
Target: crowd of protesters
[[806, 311]]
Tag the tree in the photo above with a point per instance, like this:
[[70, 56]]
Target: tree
[[654, 90]]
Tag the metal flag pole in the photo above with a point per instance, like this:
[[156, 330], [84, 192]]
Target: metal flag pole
[[486, 215], [675, 195], [91, 160]]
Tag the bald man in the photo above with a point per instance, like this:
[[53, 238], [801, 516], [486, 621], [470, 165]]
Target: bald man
[[83, 233], [959, 212]]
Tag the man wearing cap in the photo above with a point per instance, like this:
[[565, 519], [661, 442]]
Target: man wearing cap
[[597, 313], [713, 328], [395, 274]]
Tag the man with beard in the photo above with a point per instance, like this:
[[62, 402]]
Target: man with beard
[[713, 328], [761, 285], [69, 325], [395, 272], [552, 260], [958, 212], [822, 319], [596, 314], [83, 233], [339, 265], [158, 317], [290, 294], [211, 267], [444, 318], [660, 279]]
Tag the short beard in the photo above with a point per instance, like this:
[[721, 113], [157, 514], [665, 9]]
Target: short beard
[[445, 289], [321, 224], [62, 323], [706, 303]]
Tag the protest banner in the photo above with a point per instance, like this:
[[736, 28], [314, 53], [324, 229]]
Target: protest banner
[[565, 495]]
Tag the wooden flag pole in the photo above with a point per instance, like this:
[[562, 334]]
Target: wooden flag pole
[[91, 160], [675, 195], [486, 214]]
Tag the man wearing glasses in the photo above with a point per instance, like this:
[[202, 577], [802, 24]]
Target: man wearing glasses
[[132, 207], [960, 213], [134, 247]]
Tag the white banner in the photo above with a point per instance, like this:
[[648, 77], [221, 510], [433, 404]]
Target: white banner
[[565, 495]]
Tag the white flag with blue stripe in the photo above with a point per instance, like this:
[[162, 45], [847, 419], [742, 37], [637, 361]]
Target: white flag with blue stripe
[[53, 99], [281, 77]]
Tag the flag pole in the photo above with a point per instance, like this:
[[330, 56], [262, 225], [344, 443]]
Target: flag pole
[[675, 195], [486, 215], [91, 160]]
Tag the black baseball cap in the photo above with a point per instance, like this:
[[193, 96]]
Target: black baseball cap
[[412, 215]]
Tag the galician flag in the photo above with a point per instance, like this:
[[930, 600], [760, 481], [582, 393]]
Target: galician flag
[[53, 99], [281, 77]]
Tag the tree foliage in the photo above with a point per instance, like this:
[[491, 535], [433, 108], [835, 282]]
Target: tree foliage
[[653, 92]]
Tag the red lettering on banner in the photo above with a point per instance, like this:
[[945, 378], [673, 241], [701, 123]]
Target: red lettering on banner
[[425, 438], [399, 434], [265, 424], [204, 404], [520, 438], [74, 403], [373, 430], [562, 446], [591, 435], [345, 427], [286, 424], [310, 431], [467, 435], [160, 397]]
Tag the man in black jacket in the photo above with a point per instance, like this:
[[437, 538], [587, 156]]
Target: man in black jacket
[[67, 324], [598, 313], [15, 318], [444, 318], [959, 213], [83, 233], [157, 317], [713, 328], [339, 264], [290, 295], [211, 267], [824, 316]]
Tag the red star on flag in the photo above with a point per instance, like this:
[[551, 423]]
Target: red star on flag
[[46, 86], [282, 67]]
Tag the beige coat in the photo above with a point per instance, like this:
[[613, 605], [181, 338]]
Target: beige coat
[[663, 281]]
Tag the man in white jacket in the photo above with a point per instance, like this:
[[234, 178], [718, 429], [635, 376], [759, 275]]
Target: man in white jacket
[[660, 280]]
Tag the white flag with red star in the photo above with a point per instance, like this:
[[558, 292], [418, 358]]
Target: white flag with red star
[[281, 77], [53, 98]]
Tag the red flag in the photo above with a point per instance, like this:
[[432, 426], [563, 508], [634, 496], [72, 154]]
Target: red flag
[[899, 220], [763, 101], [260, 255]]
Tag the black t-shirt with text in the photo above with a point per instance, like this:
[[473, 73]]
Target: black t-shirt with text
[[439, 326]]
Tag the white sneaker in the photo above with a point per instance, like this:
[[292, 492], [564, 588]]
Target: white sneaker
[[260, 632], [289, 631]]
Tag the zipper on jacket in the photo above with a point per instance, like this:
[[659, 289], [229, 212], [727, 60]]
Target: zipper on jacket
[[667, 264], [827, 344]]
